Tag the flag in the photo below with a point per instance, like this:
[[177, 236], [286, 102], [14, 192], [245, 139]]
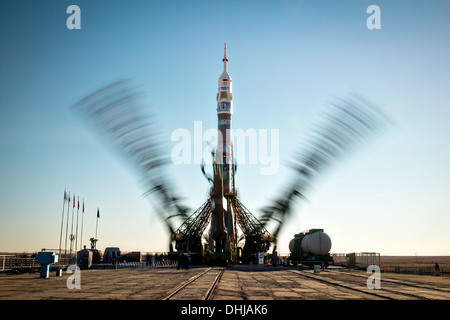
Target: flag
[[83, 205], [65, 195], [98, 213], [78, 203], [74, 201]]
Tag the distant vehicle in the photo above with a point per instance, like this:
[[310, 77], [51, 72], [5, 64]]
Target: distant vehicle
[[112, 254]]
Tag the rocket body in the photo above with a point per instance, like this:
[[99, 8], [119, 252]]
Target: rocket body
[[224, 154], [222, 232]]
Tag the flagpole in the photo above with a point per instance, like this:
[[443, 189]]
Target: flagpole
[[67, 227], [82, 218], [62, 227], [71, 228], [96, 225], [76, 233]]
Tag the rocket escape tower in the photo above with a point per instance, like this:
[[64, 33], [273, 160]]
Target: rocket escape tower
[[222, 209]]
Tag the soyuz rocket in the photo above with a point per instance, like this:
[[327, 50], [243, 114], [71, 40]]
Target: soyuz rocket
[[224, 154], [222, 230]]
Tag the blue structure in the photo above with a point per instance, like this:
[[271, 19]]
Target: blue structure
[[45, 259]]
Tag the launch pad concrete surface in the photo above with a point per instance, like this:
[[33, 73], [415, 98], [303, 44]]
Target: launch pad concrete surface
[[236, 283]]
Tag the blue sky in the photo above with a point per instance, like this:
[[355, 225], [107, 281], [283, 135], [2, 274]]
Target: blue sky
[[287, 60]]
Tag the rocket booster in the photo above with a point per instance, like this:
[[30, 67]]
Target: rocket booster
[[224, 154]]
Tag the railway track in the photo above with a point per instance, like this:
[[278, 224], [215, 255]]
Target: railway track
[[329, 284], [419, 290], [199, 287], [334, 289], [391, 289], [414, 284]]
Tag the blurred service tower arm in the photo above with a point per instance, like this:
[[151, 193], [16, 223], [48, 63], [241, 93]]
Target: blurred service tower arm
[[222, 231]]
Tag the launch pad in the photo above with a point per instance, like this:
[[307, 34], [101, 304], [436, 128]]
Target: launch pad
[[188, 237], [236, 283]]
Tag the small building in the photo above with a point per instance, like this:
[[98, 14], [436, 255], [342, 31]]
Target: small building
[[362, 260]]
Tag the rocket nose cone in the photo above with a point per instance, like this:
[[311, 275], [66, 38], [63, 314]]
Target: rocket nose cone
[[225, 75]]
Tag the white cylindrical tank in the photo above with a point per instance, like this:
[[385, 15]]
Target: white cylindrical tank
[[291, 245], [317, 243]]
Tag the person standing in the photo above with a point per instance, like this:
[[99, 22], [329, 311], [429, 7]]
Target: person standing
[[437, 271]]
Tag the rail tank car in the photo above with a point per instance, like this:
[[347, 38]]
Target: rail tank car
[[311, 247]]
